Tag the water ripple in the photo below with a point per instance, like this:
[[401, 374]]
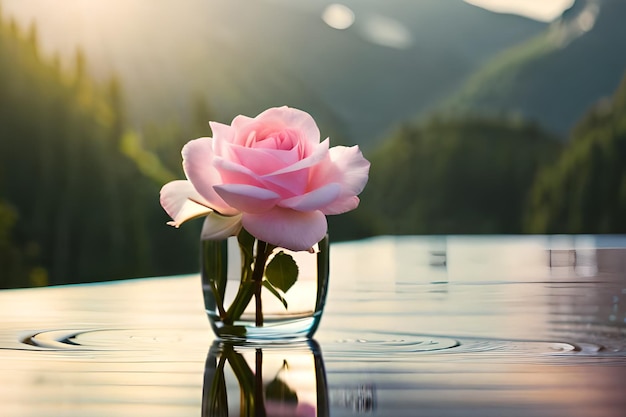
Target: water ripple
[[372, 346], [113, 339]]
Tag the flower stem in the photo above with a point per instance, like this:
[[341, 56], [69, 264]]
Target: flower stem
[[244, 376], [246, 286], [259, 406], [218, 300], [262, 254]]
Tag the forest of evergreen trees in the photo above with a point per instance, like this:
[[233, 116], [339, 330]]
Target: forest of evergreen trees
[[585, 190], [79, 185], [456, 176], [493, 176], [76, 202]]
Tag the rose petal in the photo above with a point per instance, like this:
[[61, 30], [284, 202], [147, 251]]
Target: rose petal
[[314, 200], [286, 228], [294, 119], [217, 227], [319, 153], [182, 202], [235, 173], [291, 183], [248, 198], [199, 169], [221, 131], [223, 136], [353, 167], [341, 205], [242, 126], [350, 169], [264, 161]]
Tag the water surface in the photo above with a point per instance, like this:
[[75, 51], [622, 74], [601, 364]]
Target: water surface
[[438, 326]]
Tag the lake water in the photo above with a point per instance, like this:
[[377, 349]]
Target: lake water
[[414, 326]]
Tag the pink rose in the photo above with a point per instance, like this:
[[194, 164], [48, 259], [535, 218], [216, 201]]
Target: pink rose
[[269, 174]]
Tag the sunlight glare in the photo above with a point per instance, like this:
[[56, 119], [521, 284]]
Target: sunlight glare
[[388, 32], [587, 18], [338, 16]]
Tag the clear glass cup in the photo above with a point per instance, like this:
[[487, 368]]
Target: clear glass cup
[[295, 314]]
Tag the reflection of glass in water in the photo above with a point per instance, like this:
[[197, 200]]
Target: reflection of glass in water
[[360, 399], [265, 380], [572, 254]]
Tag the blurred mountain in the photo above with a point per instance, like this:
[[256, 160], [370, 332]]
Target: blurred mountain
[[554, 78], [395, 60]]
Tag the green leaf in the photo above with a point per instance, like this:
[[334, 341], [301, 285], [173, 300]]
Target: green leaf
[[278, 390], [282, 271], [246, 243], [274, 291]]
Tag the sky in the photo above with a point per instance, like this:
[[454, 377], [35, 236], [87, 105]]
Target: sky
[[545, 10]]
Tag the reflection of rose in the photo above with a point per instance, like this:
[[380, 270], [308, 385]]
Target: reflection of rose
[[282, 409], [272, 174]]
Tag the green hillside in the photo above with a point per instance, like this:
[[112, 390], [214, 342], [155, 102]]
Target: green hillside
[[585, 191], [73, 206], [554, 78], [454, 176]]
